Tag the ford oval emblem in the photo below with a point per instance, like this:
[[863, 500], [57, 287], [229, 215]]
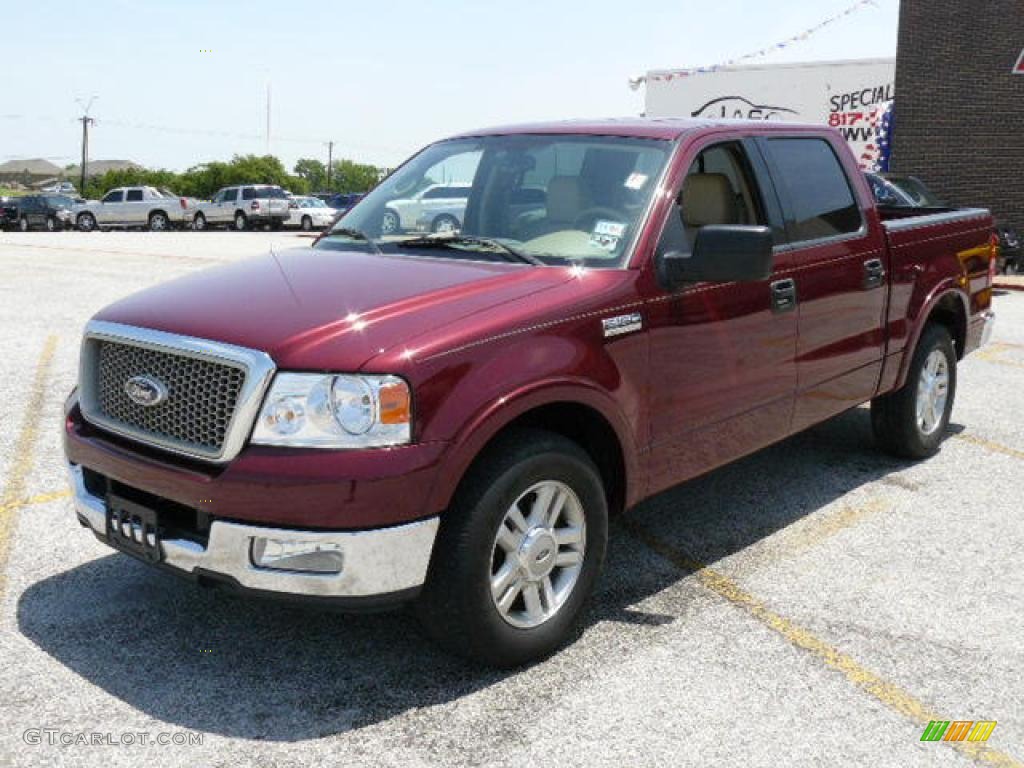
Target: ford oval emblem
[[145, 390]]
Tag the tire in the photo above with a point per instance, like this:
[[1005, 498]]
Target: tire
[[899, 426], [158, 222], [52, 225], [391, 224], [307, 224], [241, 222], [85, 222], [445, 223], [23, 224], [199, 223], [457, 607]]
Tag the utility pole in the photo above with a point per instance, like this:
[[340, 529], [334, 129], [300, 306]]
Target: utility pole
[[268, 117], [330, 162], [86, 122]]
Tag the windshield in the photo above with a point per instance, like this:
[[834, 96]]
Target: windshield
[[566, 199], [310, 202]]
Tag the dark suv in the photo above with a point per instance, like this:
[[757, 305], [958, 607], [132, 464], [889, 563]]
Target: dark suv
[[49, 212]]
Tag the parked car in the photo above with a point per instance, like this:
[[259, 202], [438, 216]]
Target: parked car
[[127, 207], [49, 212], [910, 191], [345, 201], [61, 188], [451, 419], [244, 206], [309, 213], [435, 208]]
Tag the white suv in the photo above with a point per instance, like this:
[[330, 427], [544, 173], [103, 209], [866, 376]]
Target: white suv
[[244, 206], [439, 208]]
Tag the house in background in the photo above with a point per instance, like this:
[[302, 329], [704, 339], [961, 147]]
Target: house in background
[[99, 167], [30, 172]]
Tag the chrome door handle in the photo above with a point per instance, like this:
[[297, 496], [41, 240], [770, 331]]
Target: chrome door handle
[[783, 295]]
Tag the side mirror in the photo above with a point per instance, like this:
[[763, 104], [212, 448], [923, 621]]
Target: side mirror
[[721, 254]]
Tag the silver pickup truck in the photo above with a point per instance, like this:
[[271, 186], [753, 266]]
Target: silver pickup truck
[[244, 206], [146, 207]]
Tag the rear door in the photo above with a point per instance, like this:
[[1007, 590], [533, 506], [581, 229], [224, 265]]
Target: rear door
[[723, 367], [839, 268], [225, 209], [134, 207]]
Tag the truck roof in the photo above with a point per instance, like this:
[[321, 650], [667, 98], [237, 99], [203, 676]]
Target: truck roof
[[666, 128]]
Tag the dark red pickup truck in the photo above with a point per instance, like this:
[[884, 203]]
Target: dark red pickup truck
[[450, 416]]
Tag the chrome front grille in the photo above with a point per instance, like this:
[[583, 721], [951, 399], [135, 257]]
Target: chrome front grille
[[201, 395], [209, 392]]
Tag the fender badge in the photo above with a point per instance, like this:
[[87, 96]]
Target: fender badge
[[621, 325]]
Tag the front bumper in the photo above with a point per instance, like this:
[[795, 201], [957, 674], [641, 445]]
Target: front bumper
[[386, 565]]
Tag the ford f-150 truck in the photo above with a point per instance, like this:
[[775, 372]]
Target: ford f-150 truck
[[451, 418]]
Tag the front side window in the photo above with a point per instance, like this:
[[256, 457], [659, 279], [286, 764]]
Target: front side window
[[114, 197], [820, 198], [558, 199]]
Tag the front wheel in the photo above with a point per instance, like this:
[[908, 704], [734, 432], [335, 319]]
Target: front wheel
[[391, 224], [241, 222], [307, 224], [86, 222], [199, 223], [52, 225], [158, 222], [23, 224], [518, 553], [911, 422]]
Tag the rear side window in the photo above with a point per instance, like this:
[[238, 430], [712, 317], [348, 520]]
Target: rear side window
[[133, 196], [821, 201], [248, 193]]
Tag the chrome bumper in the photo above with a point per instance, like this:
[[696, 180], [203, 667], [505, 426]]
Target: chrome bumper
[[989, 320], [374, 563]]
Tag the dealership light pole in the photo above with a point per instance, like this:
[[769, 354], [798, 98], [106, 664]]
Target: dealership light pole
[[330, 162], [86, 122]]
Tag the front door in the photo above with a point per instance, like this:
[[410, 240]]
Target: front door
[[723, 368], [839, 265]]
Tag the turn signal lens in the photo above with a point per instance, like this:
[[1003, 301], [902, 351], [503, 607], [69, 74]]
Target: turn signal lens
[[395, 404]]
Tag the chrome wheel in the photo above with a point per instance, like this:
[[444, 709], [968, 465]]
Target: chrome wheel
[[86, 222], [445, 225], [240, 221], [199, 223], [390, 224], [538, 554], [158, 222], [932, 392]]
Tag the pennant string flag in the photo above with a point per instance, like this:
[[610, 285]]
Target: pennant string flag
[[680, 73]]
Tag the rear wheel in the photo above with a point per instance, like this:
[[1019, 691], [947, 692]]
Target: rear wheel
[[911, 422], [445, 224], [307, 223], [158, 221], [241, 222], [199, 223], [23, 224], [86, 222], [51, 224], [518, 552]]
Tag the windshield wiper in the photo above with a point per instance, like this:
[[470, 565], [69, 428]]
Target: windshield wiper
[[446, 241], [355, 234]]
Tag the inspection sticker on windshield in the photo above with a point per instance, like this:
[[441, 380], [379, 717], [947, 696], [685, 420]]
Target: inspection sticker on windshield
[[607, 234], [636, 181]]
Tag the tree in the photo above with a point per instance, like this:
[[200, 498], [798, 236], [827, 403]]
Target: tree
[[313, 171], [350, 176]]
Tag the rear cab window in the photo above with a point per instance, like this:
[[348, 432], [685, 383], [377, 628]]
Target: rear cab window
[[817, 192]]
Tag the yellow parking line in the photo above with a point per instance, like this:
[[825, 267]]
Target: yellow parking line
[[889, 694], [24, 455], [816, 529], [31, 501], [989, 445]]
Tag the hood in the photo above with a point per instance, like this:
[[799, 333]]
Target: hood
[[327, 309]]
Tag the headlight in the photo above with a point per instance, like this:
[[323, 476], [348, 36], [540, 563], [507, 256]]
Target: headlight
[[335, 411]]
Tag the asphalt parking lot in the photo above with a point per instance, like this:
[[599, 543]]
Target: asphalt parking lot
[[814, 604]]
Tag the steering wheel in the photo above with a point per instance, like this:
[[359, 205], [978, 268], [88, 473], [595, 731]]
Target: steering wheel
[[595, 213]]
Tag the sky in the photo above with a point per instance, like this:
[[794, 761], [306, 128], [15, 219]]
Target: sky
[[183, 82]]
